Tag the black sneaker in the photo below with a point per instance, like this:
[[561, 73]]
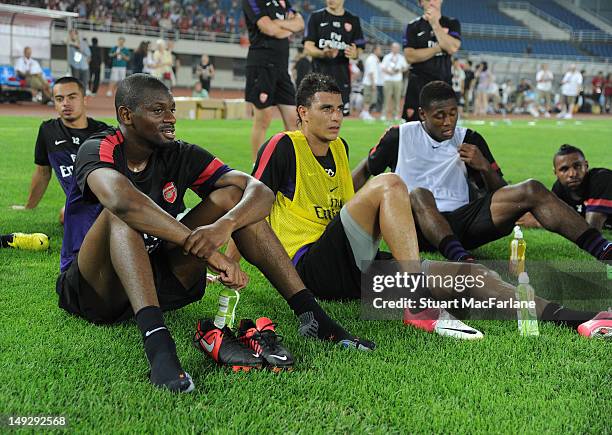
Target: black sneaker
[[224, 348], [263, 339]]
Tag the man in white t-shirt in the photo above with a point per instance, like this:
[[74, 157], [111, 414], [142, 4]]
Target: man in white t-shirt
[[544, 82], [370, 79], [29, 69], [393, 66], [570, 89]]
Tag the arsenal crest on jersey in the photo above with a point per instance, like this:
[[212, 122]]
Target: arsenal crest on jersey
[[348, 27], [169, 192]]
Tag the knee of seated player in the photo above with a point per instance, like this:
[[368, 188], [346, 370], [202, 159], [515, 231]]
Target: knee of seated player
[[388, 182], [533, 189], [421, 198]]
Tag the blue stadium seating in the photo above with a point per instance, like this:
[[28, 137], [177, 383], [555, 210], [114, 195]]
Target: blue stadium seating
[[558, 48], [554, 9], [601, 50]]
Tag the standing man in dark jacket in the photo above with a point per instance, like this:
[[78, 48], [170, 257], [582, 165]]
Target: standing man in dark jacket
[[94, 66]]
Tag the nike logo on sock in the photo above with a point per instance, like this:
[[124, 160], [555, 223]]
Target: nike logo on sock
[[153, 331]]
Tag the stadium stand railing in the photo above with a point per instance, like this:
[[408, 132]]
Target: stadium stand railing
[[537, 12]]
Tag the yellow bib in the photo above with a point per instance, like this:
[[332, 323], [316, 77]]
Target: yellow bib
[[318, 197]]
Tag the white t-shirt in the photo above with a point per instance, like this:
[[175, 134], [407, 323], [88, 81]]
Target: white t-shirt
[[435, 166], [397, 64], [370, 70], [571, 84], [28, 66], [544, 80]]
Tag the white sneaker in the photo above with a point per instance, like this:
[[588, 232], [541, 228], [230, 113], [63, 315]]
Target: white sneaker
[[568, 116], [109, 93], [561, 115], [442, 323], [366, 116]]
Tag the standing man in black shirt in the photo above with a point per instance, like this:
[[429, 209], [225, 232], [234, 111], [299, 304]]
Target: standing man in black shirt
[[333, 36], [94, 66], [268, 84], [59, 140], [429, 43]]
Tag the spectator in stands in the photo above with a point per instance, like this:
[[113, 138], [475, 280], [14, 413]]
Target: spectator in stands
[[95, 62], [380, 87], [393, 66], [468, 88], [571, 86], [608, 93], [29, 69], [458, 82], [598, 87], [163, 64], [429, 43], [120, 57], [206, 72], [301, 66], [331, 45], [139, 56], [371, 72], [268, 83], [78, 57], [198, 91], [544, 82], [484, 77], [148, 63]]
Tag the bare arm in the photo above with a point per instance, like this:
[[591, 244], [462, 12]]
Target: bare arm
[[311, 50], [529, 221], [361, 173], [38, 186], [294, 24], [446, 42], [117, 194], [271, 28], [595, 219], [472, 157], [416, 55]]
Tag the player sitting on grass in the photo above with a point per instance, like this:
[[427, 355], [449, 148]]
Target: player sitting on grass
[[459, 199], [131, 256], [328, 231], [59, 140], [588, 191]]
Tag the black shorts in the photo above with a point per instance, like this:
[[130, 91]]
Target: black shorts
[[472, 224], [328, 268], [269, 86], [78, 297], [411, 99]]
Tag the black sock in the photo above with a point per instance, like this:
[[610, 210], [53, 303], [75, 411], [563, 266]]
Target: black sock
[[5, 240], [451, 248], [595, 244], [314, 320], [565, 317], [159, 346]]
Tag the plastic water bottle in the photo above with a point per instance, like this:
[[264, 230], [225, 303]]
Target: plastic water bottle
[[527, 316], [226, 314], [518, 246]]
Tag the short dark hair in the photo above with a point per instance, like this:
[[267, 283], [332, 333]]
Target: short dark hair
[[135, 89], [566, 149], [310, 85], [436, 91], [67, 79]]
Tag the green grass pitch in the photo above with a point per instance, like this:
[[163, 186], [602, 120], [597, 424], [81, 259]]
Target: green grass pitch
[[55, 364]]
